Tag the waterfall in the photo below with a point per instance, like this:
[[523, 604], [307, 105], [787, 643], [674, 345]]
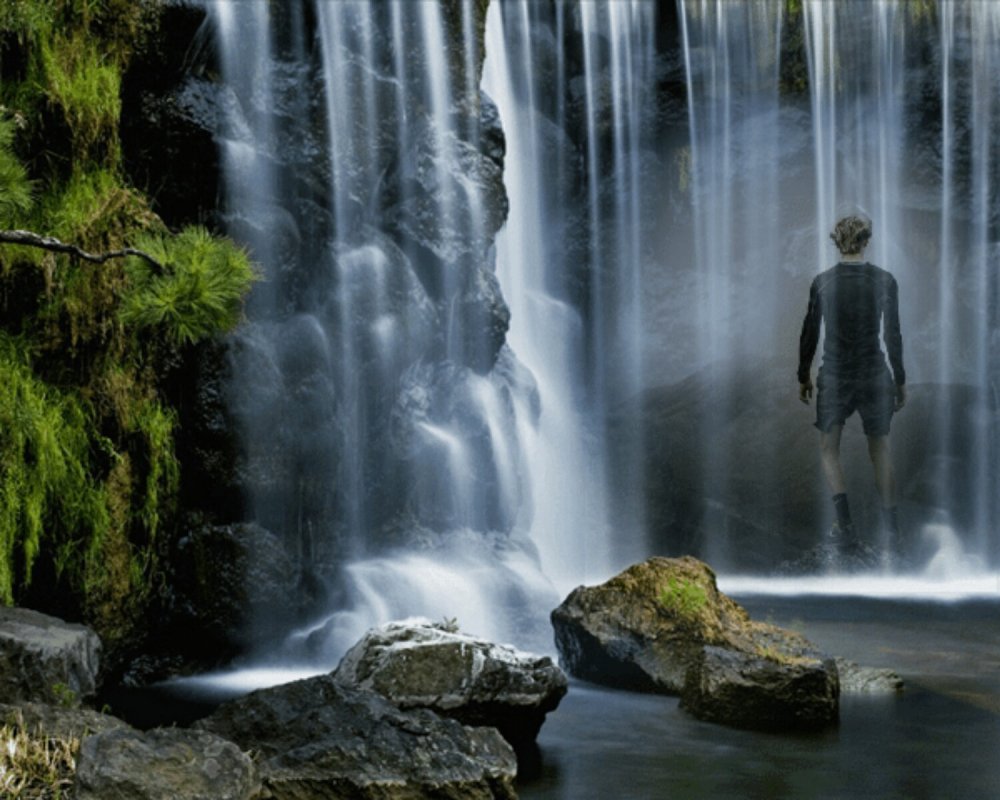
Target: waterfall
[[732, 59], [799, 114], [413, 454], [583, 346]]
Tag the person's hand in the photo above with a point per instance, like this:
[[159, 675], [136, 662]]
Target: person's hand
[[806, 391], [900, 397]]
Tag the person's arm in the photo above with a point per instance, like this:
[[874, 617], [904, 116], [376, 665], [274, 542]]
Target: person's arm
[[808, 340], [894, 340]]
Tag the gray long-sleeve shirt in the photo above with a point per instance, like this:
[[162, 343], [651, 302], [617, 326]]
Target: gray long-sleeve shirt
[[852, 300]]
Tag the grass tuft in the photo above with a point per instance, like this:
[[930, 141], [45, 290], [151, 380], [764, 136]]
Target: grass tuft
[[34, 766], [684, 598]]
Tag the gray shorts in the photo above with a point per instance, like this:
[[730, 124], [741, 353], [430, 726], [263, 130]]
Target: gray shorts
[[872, 395]]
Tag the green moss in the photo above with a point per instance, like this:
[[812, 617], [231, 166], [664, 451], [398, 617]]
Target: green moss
[[84, 86], [49, 496], [199, 293], [15, 187], [71, 55], [685, 599]]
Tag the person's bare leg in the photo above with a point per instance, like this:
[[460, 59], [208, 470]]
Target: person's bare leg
[[885, 481], [829, 448]]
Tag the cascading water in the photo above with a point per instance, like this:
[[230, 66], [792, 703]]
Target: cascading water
[[902, 101], [375, 394], [571, 270], [410, 459]]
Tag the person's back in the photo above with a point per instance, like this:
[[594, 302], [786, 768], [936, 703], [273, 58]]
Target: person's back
[[852, 298], [858, 304]]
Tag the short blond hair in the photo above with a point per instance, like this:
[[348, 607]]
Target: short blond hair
[[852, 233]]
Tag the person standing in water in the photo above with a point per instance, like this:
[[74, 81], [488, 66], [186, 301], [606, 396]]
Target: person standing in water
[[858, 303]]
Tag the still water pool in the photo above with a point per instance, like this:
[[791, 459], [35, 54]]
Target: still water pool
[[940, 738]]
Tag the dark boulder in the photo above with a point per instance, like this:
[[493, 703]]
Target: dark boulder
[[163, 764], [317, 739], [760, 691], [232, 585], [46, 660], [420, 664]]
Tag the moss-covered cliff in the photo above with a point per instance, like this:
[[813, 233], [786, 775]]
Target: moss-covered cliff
[[88, 468]]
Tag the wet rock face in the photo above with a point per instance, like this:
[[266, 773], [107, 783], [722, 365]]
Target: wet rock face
[[419, 664], [46, 660], [232, 583], [163, 764], [748, 691], [763, 503], [318, 739]]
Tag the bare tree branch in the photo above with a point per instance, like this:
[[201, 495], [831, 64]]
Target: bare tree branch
[[54, 245]]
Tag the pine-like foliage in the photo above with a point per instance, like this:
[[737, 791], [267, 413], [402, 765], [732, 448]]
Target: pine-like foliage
[[200, 292]]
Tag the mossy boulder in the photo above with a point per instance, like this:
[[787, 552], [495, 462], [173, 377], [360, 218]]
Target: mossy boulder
[[644, 628]]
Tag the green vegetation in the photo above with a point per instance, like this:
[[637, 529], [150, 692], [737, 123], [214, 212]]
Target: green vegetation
[[684, 598], [65, 696], [46, 490], [34, 766], [90, 478], [772, 653], [201, 291], [15, 188]]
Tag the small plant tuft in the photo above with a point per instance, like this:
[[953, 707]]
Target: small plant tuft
[[34, 766], [64, 696], [684, 598]]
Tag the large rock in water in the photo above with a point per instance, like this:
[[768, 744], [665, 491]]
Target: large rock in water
[[420, 664], [44, 659], [664, 626], [644, 628], [163, 764], [317, 739], [761, 691]]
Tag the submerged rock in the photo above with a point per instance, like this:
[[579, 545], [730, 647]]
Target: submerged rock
[[420, 664], [646, 627], [318, 739], [768, 693], [46, 660], [163, 764], [856, 679]]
